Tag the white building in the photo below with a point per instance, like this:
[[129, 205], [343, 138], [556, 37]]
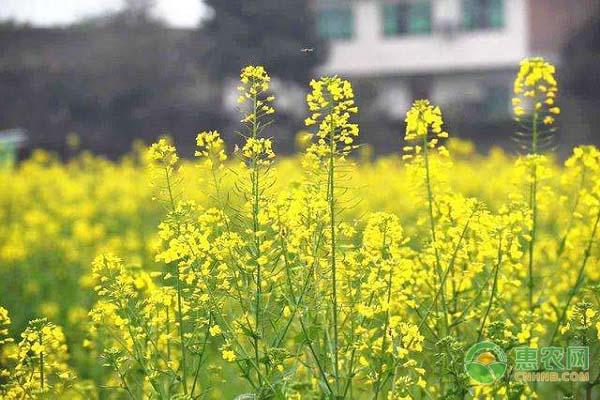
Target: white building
[[456, 52]]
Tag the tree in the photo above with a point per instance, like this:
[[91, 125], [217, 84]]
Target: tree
[[581, 99], [138, 11], [272, 33], [107, 80], [581, 57]]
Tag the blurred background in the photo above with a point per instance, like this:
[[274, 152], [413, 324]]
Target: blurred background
[[99, 74]]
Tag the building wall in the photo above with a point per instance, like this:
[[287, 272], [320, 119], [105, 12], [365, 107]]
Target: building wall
[[552, 22], [469, 74], [460, 94], [368, 52]]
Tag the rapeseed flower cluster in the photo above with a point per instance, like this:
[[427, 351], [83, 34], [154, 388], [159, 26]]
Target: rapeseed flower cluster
[[535, 90], [331, 104], [36, 366], [424, 128], [253, 93], [535, 104], [211, 149], [267, 278]]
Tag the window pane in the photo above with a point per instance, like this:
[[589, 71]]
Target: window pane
[[420, 18], [496, 13], [483, 14], [468, 8], [390, 20], [409, 17], [335, 23]]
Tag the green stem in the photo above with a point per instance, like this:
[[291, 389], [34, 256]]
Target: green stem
[[384, 254], [494, 286], [579, 280], [448, 269], [533, 207], [124, 382], [297, 301], [41, 360], [255, 228], [472, 302], [433, 233], [178, 288], [314, 354], [385, 328], [181, 334], [331, 201], [563, 241], [446, 273], [197, 373]]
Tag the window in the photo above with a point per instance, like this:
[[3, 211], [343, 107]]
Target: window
[[407, 18], [483, 14], [336, 22]]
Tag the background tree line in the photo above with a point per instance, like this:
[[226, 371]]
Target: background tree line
[[125, 76]]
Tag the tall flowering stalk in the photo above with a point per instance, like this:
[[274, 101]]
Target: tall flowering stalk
[[140, 325], [291, 294], [331, 103], [212, 156], [585, 162], [423, 132], [165, 157], [36, 367], [535, 109], [257, 154]]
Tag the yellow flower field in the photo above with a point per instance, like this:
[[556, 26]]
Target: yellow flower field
[[326, 275]]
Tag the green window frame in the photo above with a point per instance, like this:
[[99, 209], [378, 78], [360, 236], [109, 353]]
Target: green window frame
[[407, 18], [336, 22], [483, 14]]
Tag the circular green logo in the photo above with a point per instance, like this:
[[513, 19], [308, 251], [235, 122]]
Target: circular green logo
[[485, 362]]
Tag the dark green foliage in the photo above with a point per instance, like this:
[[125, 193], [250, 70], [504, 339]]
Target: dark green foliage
[[272, 33]]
